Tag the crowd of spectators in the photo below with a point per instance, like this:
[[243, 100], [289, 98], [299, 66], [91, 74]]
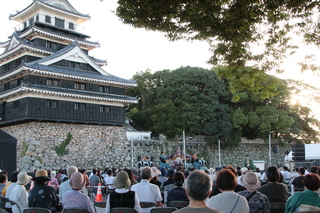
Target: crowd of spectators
[[223, 189]]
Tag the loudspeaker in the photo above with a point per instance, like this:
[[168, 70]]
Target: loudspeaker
[[275, 148], [298, 152]]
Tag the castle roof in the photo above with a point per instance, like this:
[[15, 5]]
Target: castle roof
[[65, 92], [62, 6], [17, 43]]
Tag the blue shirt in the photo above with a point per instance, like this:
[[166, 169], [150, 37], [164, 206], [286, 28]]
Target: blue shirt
[[75, 199]]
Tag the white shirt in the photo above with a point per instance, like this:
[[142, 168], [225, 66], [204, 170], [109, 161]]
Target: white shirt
[[9, 190], [286, 175], [136, 201], [109, 182], [228, 201], [19, 195], [147, 192]]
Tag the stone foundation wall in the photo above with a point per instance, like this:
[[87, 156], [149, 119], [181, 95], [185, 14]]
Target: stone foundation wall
[[106, 146]]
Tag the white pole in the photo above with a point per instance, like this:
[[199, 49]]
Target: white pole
[[131, 153], [184, 149], [270, 150], [219, 153]]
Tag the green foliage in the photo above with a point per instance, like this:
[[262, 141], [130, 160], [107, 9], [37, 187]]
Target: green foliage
[[24, 148], [61, 149], [197, 101], [232, 27], [194, 100]]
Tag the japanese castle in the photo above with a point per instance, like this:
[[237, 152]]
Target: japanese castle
[[46, 73]]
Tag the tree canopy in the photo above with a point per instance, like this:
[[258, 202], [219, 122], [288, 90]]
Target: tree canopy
[[233, 27], [197, 101]]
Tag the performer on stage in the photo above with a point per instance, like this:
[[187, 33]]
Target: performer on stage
[[203, 164], [163, 161], [178, 158], [249, 163], [141, 163]]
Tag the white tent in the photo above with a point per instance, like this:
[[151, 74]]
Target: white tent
[[312, 152]]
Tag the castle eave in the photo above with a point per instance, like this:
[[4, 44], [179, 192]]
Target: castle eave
[[25, 89], [60, 75], [25, 48]]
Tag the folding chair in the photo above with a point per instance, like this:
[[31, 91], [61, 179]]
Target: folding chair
[[163, 210], [36, 210], [147, 204], [178, 204], [277, 206], [99, 205], [75, 210], [14, 203], [122, 210]]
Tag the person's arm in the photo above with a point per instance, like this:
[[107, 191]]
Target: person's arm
[[137, 206], [108, 205], [158, 203]]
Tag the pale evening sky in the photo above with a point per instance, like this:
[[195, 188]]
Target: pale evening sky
[[129, 50]]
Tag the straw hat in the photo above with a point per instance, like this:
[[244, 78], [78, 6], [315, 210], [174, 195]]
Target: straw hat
[[23, 178], [250, 180], [41, 175], [77, 181], [122, 180]]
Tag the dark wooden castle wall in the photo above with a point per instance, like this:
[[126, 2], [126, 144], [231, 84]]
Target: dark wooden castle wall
[[61, 111]]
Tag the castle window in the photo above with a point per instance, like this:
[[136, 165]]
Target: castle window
[[16, 104], [79, 86], [31, 20], [103, 89], [51, 104], [52, 82], [105, 109], [51, 45], [48, 19], [59, 22], [71, 26], [78, 106]]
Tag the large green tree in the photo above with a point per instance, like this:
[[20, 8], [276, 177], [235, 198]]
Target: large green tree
[[241, 33], [195, 100], [239, 30]]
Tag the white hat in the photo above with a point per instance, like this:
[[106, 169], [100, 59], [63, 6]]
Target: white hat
[[244, 170], [155, 171], [23, 178]]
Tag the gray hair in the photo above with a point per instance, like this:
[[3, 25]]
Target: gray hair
[[198, 185], [71, 170], [146, 172]]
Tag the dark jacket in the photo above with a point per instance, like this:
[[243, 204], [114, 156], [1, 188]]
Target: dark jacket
[[43, 196]]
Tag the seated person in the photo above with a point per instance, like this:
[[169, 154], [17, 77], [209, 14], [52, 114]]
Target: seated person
[[74, 198], [122, 196], [309, 196], [178, 193], [19, 193], [42, 195]]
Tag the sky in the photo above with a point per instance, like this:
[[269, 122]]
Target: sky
[[129, 50]]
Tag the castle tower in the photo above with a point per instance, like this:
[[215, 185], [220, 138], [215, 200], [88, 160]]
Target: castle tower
[[46, 73]]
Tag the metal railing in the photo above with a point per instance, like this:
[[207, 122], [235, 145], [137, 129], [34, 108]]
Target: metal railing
[[53, 21]]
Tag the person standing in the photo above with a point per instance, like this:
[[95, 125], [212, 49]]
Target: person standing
[[19, 193], [42, 195]]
